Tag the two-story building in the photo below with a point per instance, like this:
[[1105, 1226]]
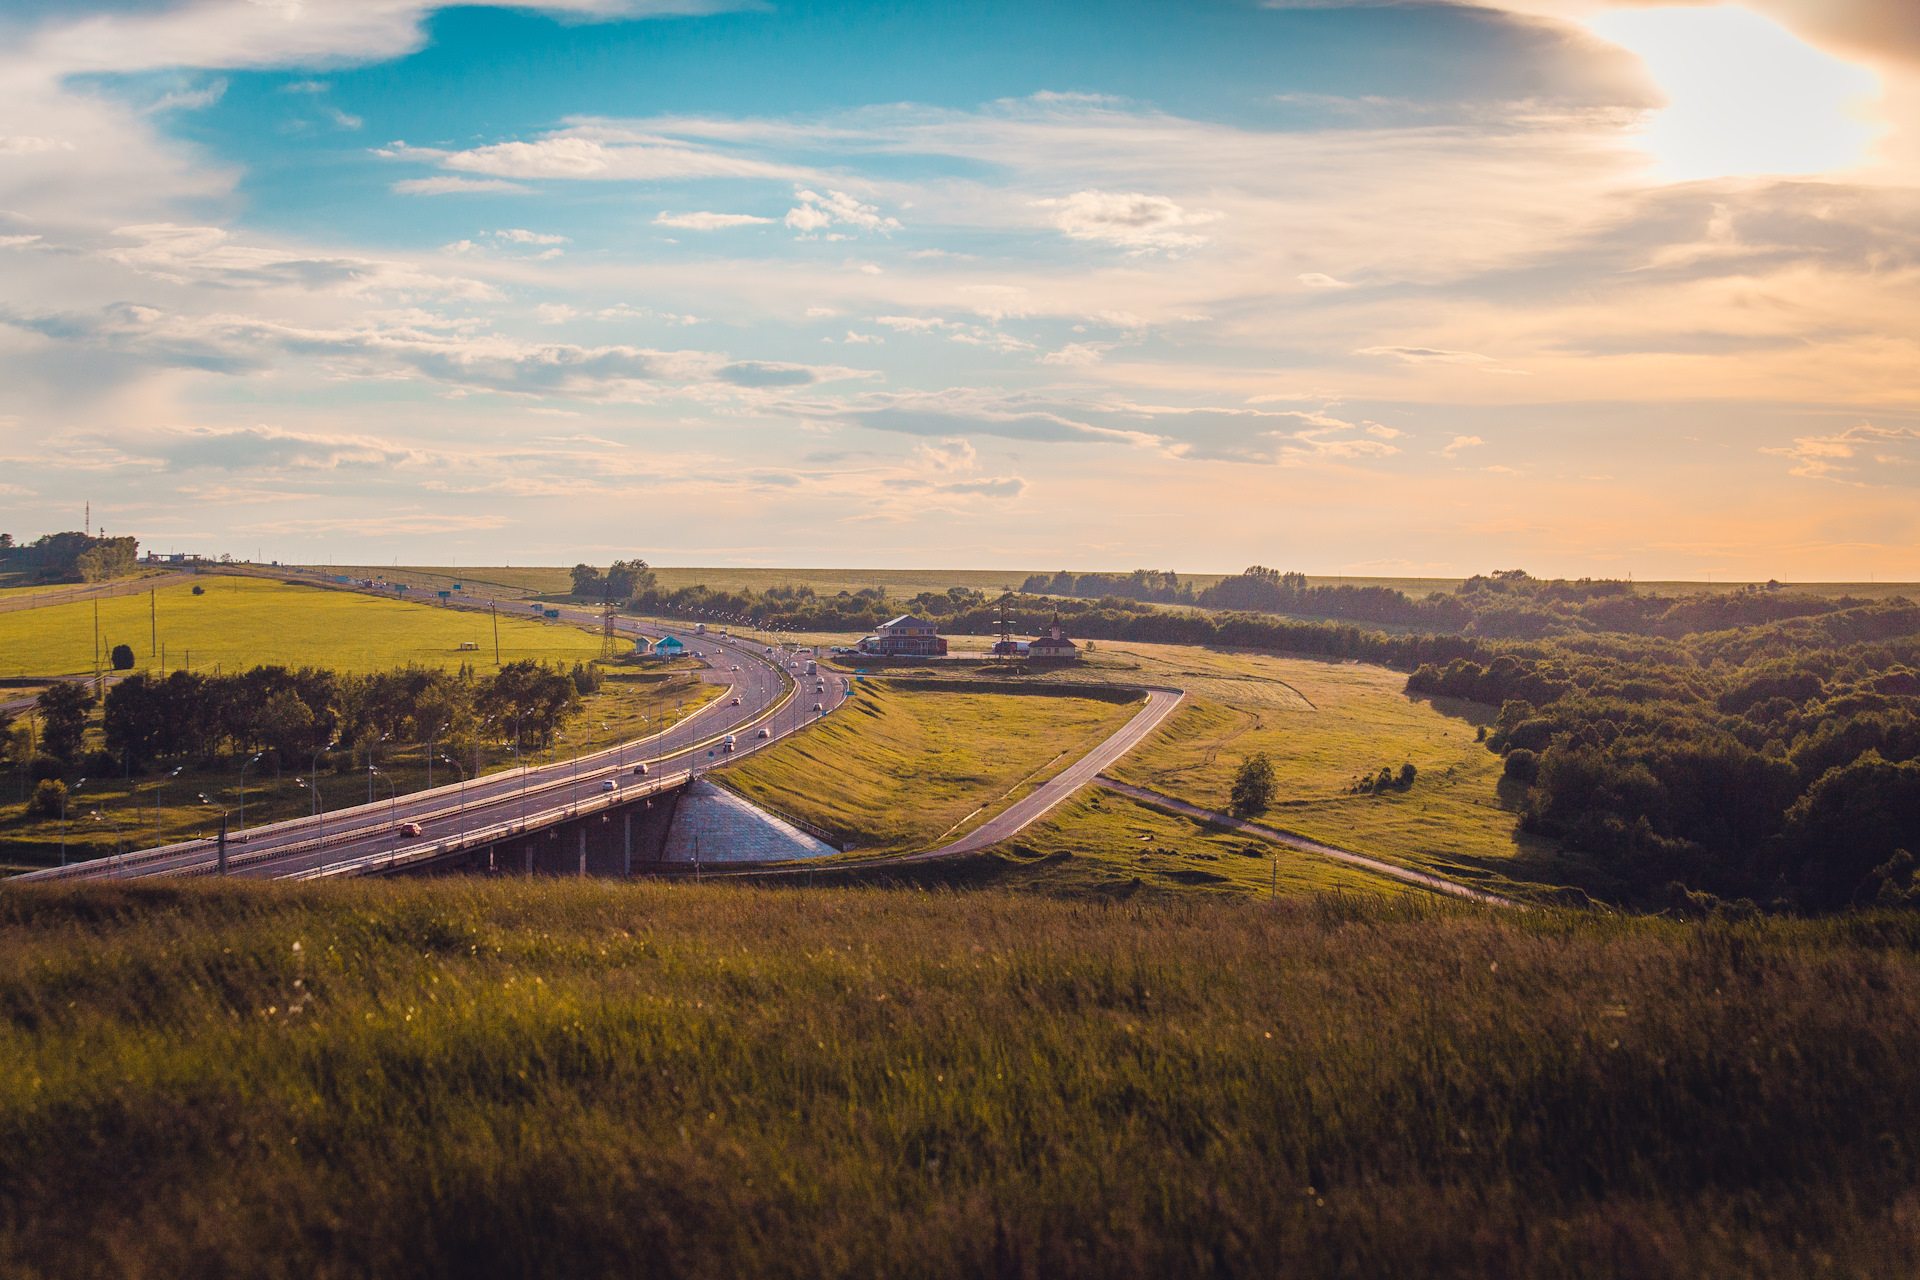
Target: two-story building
[[905, 637]]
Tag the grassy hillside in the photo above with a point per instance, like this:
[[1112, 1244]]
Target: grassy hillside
[[244, 622], [1324, 724], [558, 1078], [897, 769]]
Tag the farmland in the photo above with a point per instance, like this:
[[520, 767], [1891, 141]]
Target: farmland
[[563, 1078], [243, 622]]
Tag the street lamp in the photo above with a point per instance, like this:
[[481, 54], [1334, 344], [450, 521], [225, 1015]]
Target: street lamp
[[158, 839], [243, 790], [63, 819], [393, 804]]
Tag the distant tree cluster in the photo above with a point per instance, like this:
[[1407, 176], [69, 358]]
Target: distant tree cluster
[[293, 715], [1152, 585], [622, 581], [1511, 604], [69, 557]]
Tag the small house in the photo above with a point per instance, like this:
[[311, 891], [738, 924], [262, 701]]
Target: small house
[[669, 647], [1054, 644]]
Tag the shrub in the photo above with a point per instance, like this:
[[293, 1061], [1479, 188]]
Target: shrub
[[123, 657], [199, 591], [1252, 786], [49, 799], [1407, 774], [1522, 765]]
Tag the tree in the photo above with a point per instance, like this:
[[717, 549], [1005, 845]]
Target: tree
[[587, 580], [63, 717], [123, 657], [629, 578], [49, 799], [1252, 786], [7, 739], [284, 724]]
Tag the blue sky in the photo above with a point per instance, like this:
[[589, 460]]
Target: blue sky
[[1400, 289]]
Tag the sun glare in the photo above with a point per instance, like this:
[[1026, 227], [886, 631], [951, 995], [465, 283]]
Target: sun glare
[[1745, 96]]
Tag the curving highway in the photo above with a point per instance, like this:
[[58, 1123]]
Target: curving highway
[[502, 805]]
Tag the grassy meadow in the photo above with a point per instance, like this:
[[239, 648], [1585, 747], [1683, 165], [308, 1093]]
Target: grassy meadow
[[898, 769], [109, 815], [561, 1078], [243, 622]]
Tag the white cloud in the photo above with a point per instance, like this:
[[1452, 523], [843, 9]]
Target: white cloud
[[911, 324], [707, 221], [27, 145], [1137, 222], [554, 313], [1425, 355], [816, 212], [1461, 442], [1833, 457], [458, 186], [211, 256], [599, 153], [863, 337], [1316, 280], [1078, 355]]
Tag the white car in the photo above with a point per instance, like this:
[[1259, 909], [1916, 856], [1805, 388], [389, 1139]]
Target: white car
[[609, 785], [765, 734], [641, 768], [816, 706]]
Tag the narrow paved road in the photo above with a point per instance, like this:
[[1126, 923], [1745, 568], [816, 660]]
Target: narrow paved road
[[1305, 845], [1025, 812]]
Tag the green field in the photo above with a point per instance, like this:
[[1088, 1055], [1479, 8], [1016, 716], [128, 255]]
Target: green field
[[244, 622], [896, 769], [555, 1078], [1100, 842], [1324, 724]]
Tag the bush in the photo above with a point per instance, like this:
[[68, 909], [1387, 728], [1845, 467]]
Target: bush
[[49, 799], [1252, 786], [199, 591], [123, 657], [1407, 774], [1522, 765]]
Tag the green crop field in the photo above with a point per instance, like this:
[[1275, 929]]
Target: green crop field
[[557, 1078], [244, 622], [898, 769]]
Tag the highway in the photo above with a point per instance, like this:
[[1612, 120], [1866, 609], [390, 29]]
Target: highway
[[502, 805]]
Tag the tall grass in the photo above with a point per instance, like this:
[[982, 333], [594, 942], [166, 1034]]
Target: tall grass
[[576, 1078]]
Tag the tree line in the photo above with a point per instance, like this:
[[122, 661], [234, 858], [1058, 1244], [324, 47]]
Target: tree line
[[68, 557], [294, 715]]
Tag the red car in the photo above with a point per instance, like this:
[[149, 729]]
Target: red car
[[409, 828]]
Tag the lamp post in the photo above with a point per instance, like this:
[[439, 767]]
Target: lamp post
[[63, 819], [393, 830], [158, 839], [243, 790], [462, 810]]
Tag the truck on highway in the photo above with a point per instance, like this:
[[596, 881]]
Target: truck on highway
[[699, 628], [726, 744]]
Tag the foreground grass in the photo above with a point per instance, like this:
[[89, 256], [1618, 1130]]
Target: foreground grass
[[898, 768], [246, 622], [563, 1078]]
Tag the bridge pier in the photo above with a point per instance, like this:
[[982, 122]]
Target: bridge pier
[[592, 845]]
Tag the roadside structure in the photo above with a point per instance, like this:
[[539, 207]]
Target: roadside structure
[[669, 647], [1054, 644], [905, 637]]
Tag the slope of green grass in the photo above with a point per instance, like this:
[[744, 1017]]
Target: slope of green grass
[[244, 622], [898, 768], [557, 1078]]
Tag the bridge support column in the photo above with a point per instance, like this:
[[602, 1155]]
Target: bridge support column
[[529, 860], [626, 858], [583, 853]]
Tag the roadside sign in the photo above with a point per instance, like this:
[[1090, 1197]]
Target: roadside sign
[[445, 595]]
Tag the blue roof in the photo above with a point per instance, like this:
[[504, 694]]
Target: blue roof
[[669, 642]]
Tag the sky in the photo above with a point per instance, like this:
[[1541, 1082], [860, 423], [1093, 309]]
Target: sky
[[1423, 289]]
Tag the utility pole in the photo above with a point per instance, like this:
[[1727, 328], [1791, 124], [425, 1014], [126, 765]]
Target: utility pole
[[99, 678], [496, 632], [153, 618]]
